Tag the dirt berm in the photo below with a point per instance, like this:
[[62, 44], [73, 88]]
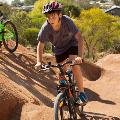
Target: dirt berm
[[28, 95]]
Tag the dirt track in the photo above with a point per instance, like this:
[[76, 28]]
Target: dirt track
[[26, 93]]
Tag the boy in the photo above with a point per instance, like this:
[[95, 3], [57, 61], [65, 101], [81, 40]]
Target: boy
[[64, 35]]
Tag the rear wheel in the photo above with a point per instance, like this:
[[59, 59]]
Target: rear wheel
[[10, 36], [72, 110]]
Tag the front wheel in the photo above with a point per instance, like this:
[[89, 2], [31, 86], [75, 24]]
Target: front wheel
[[63, 109], [58, 104], [10, 36]]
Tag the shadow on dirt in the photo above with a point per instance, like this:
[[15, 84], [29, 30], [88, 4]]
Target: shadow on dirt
[[96, 116], [24, 74], [92, 96], [91, 71], [20, 69]]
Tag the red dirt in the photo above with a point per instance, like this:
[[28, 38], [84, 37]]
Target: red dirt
[[28, 95]]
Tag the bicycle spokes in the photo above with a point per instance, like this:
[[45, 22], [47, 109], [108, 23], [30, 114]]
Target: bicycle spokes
[[10, 36]]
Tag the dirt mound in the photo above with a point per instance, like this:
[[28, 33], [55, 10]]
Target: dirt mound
[[110, 62], [35, 112], [107, 87], [26, 94], [21, 83]]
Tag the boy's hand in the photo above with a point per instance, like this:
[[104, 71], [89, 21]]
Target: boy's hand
[[78, 60], [38, 66]]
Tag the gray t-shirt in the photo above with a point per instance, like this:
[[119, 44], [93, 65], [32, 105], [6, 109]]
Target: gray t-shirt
[[62, 39]]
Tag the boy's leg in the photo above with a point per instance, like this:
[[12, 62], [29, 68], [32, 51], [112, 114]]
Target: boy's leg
[[77, 73], [61, 59], [82, 98]]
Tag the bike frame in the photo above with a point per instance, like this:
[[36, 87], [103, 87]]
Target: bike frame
[[67, 92], [70, 87]]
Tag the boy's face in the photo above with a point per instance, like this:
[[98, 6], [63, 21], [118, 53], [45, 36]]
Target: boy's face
[[53, 18]]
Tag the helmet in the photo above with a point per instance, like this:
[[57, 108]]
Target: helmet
[[50, 7]]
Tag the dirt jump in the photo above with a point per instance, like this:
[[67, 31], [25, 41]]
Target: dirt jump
[[26, 94]]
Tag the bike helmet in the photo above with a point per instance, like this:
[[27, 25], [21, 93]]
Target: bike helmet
[[51, 7]]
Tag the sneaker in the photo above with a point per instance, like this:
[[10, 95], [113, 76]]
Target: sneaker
[[63, 83], [82, 99]]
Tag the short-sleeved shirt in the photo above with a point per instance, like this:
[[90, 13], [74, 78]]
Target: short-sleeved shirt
[[62, 39]]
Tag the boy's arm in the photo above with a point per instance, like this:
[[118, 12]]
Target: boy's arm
[[80, 44], [40, 48]]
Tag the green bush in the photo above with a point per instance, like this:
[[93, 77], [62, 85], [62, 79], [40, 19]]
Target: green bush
[[48, 47], [31, 36], [38, 22]]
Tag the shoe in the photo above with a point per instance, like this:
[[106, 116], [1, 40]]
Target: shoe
[[82, 99], [63, 83]]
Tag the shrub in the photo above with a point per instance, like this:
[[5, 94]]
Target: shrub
[[31, 36]]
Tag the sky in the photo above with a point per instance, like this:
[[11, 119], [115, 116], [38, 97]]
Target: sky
[[8, 1]]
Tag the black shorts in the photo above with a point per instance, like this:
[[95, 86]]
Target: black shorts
[[71, 51]]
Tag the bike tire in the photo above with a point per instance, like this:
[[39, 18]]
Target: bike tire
[[14, 34], [65, 112], [72, 110], [56, 107]]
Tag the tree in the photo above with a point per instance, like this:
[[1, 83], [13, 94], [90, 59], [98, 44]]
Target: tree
[[37, 10], [99, 30], [22, 22], [6, 10]]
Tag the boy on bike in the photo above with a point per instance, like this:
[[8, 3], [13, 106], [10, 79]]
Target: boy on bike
[[64, 35]]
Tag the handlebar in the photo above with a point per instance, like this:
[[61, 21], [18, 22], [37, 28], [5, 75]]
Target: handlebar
[[60, 66]]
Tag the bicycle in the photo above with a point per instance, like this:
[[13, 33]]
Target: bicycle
[[65, 106], [8, 34]]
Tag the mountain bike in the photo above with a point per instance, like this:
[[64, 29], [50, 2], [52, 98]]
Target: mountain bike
[[65, 106], [8, 34]]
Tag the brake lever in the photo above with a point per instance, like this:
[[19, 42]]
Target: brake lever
[[45, 67]]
